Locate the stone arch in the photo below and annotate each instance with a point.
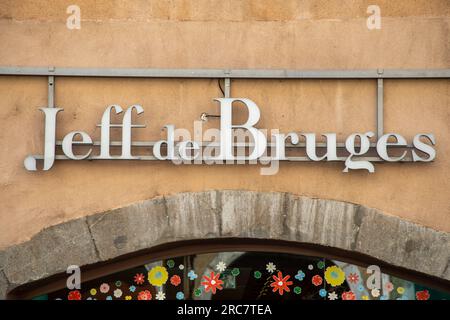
(226, 214)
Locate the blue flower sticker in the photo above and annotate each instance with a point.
(300, 275)
(360, 288)
(323, 293)
(180, 295)
(132, 288)
(192, 275)
(108, 298)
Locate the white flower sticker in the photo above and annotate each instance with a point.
(160, 296)
(271, 267)
(332, 296)
(375, 293)
(221, 266)
(117, 293)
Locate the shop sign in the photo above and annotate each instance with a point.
(359, 151)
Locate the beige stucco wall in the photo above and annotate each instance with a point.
(221, 34)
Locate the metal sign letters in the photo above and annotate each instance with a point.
(224, 149)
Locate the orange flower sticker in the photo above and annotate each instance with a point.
(281, 283)
(175, 280)
(212, 282)
(348, 295)
(422, 295)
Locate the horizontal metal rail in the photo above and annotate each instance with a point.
(299, 145)
(228, 73)
(261, 159)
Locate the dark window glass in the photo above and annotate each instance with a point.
(249, 275)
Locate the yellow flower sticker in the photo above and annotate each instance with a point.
(334, 276)
(93, 292)
(401, 290)
(158, 276)
(128, 298)
(365, 297)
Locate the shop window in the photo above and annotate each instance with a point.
(249, 275)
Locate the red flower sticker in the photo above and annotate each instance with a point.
(175, 280)
(212, 282)
(280, 283)
(317, 280)
(348, 295)
(74, 295)
(353, 278)
(422, 295)
(139, 278)
(145, 295)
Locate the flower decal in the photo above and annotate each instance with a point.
(348, 295)
(180, 295)
(353, 278)
(257, 274)
(192, 275)
(74, 295)
(175, 280)
(334, 276)
(317, 280)
(93, 292)
(221, 266)
(271, 267)
(297, 290)
(170, 263)
(323, 293)
(280, 283)
(144, 295)
(422, 295)
(160, 296)
(300, 275)
(401, 290)
(320, 264)
(117, 293)
(104, 288)
(389, 286)
(212, 282)
(132, 288)
(158, 276)
(332, 296)
(139, 278)
(198, 292)
(375, 293)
